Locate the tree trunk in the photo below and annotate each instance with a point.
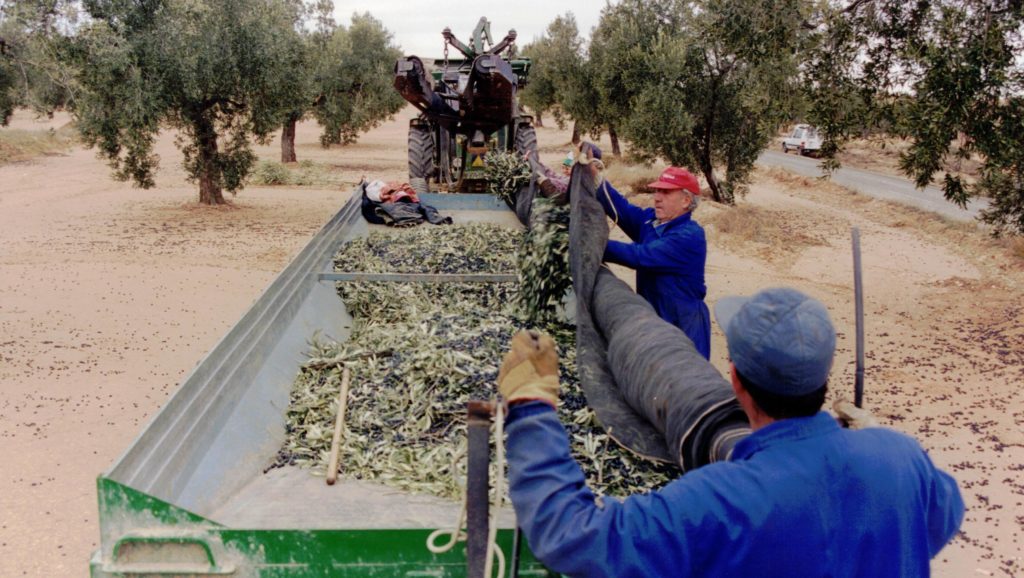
(707, 168)
(288, 139)
(575, 133)
(209, 171)
(538, 119)
(614, 136)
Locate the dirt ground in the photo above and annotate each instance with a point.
(109, 296)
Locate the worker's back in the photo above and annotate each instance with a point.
(800, 497)
(806, 498)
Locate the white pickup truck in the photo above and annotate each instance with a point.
(804, 139)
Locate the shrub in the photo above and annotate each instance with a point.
(271, 173)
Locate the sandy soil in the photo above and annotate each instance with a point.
(109, 296)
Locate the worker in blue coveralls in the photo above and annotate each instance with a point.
(668, 250)
(800, 496)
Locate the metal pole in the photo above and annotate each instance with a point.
(517, 547)
(858, 295)
(477, 487)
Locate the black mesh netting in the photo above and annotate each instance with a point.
(651, 389)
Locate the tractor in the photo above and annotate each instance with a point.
(469, 110)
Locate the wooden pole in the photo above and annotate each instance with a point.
(339, 423)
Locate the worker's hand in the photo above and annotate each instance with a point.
(852, 416)
(547, 188)
(530, 369)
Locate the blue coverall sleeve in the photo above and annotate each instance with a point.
(629, 218)
(668, 253)
(945, 509)
(565, 526)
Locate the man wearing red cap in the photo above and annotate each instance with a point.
(668, 251)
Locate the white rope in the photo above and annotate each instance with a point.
(456, 535)
(615, 212)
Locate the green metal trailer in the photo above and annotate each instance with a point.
(189, 497)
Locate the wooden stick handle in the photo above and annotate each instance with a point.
(339, 423)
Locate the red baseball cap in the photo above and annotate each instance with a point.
(674, 178)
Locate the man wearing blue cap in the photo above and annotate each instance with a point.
(668, 251)
(800, 496)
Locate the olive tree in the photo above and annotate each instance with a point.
(540, 94)
(215, 70)
(620, 65)
(8, 94)
(707, 87)
(342, 77)
(946, 74)
(355, 91)
(556, 60)
(33, 42)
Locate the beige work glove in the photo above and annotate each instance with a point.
(852, 416)
(530, 369)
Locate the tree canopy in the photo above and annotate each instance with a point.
(342, 77)
(354, 76)
(707, 83)
(938, 72)
(33, 73)
(224, 73)
(700, 84)
(214, 70)
(557, 62)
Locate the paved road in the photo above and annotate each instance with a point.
(878, 185)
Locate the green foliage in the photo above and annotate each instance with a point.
(352, 80)
(8, 96)
(620, 66)
(32, 44)
(557, 61)
(700, 84)
(271, 173)
(506, 173)
(543, 263)
(539, 94)
(306, 174)
(215, 70)
(940, 73)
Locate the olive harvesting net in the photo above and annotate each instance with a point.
(642, 375)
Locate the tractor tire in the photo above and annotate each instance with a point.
(421, 158)
(526, 139)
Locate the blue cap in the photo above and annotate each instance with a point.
(779, 339)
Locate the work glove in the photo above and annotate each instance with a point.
(530, 369)
(852, 416)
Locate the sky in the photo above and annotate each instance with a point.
(416, 25)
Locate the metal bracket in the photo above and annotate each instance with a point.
(421, 277)
(478, 485)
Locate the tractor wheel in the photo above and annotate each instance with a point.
(526, 139)
(421, 158)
